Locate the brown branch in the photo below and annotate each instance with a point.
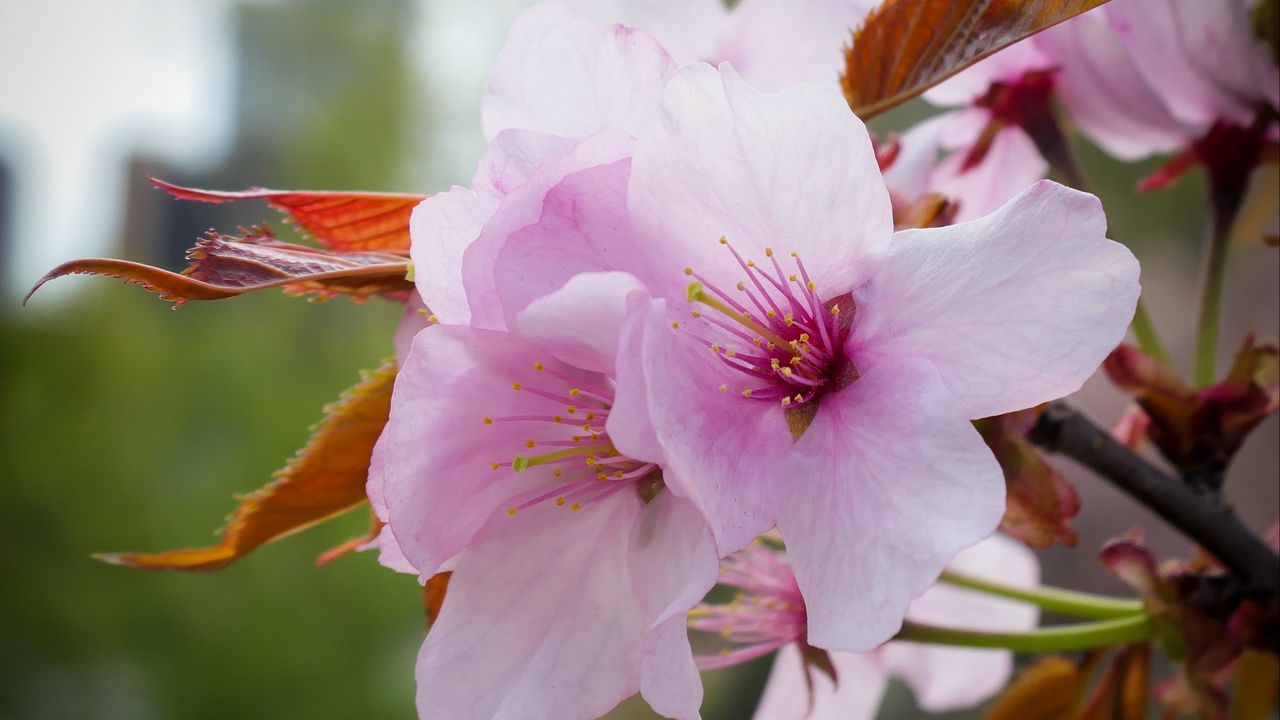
(1202, 516)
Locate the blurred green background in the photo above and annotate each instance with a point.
(129, 427)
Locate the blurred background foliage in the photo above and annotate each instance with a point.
(127, 426)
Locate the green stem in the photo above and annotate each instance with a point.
(1145, 332)
(1215, 263)
(1067, 602)
(1060, 638)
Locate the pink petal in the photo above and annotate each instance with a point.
(415, 319)
(717, 446)
(522, 208)
(564, 74)
(1005, 66)
(1014, 309)
(777, 43)
(444, 225)
(790, 696)
(948, 678)
(389, 553)
(439, 484)
(793, 170)
(1106, 93)
(886, 486)
(582, 225)
(1011, 165)
(579, 323)
(540, 621)
(670, 682)
(1201, 58)
(629, 424)
(688, 29)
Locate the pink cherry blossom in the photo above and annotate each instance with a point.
(936, 327)
(768, 613)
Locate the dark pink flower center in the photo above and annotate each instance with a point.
(785, 343)
(569, 458)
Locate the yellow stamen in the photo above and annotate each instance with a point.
(696, 293)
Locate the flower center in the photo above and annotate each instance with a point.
(766, 613)
(569, 456)
(785, 343)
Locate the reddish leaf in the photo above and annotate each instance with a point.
(342, 221)
(1048, 690)
(433, 596)
(904, 47)
(324, 479)
(224, 267)
(1199, 431)
(1039, 502)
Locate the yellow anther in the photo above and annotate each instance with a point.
(538, 366)
(796, 360)
(618, 474)
(688, 271)
(433, 319)
(773, 363)
(792, 277)
(835, 309)
(601, 477)
(741, 286)
(586, 427)
(571, 409)
(591, 460)
(804, 337)
(517, 386)
(758, 342)
(488, 421)
(771, 346)
(512, 511)
(768, 252)
(786, 402)
(557, 473)
(591, 416)
(793, 254)
(809, 285)
(786, 372)
(715, 347)
(560, 501)
(575, 507)
(494, 466)
(574, 392)
(724, 240)
(675, 325)
(577, 438)
(751, 263)
(771, 314)
(557, 418)
(696, 314)
(789, 319)
(730, 353)
(530, 443)
(746, 393)
(723, 388)
(422, 312)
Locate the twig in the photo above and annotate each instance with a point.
(1202, 516)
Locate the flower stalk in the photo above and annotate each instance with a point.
(1059, 600)
(1060, 638)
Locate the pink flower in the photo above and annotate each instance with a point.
(768, 613)
(888, 479)
(572, 566)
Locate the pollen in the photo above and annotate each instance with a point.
(512, 511)
(695, 314)
(600, 477)
(768, 252)
(688, 271)
(530, 443)
(488, 421)
(560, 501)
(538, 366)
(494, 466)
(574, 392)
(675, 324)
(571, 409)
(575, 507)
(516, 386)
(724, 240)
(557, 418)
(557, 473)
